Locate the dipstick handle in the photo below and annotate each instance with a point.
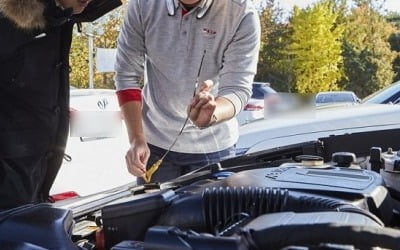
(151, 171)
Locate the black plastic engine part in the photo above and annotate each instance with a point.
(31, 222)
(363, 188)
(276, 231)
(128, 219)
(129, 244)
(173, 238)
(343, 159)
(280, 230)
(224, 207)
(390, 171)
(220, 211)
(11, 245)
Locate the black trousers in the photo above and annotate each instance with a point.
(176, 164)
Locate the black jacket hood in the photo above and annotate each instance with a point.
(26, 14)
(31, 14)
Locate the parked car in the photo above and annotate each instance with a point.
(309, 124)
(93, 99)
(95, 151)
(336, 192)
(255, 107)
(330, 97)
(387, 95)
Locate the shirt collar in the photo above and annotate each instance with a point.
(202, 3)
(203, 6)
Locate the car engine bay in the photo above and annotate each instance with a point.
(339, 192)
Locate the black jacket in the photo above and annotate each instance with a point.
(35, 40)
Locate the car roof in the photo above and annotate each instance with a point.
(93, 99)
(335, 96)
(85, 92)
(336, 92)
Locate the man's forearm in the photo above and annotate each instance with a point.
(133, 119)
(225, 110)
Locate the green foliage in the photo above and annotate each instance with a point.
(395, 44)
(272, 66)
(79, 69)
(315, 48)
(367, 51)
(394, 40)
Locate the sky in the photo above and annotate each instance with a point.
(287, 5)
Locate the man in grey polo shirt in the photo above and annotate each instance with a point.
(201, 58)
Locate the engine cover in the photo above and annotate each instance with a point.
(359, 187)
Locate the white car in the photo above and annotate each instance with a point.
(93, 99)
(331, 97)
(311, 124)
(95, 152)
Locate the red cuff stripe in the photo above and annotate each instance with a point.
(129, 95)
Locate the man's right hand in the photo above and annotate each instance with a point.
(137, 156)
(203, 105)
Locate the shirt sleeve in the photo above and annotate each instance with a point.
(130, 58)
(240, 62)
(129, 95)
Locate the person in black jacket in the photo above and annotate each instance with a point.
(35, 40)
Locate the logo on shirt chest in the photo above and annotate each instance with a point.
(209, 36)
(209, 32)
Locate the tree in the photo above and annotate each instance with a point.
(395, 44)
(394, 41)
(79, 61)
(272, 65)
(108, 39)
(367, 52)
(315, 48)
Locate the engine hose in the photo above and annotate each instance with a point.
(361, 237)
(312, 204)
(225, 206)
(221, 209)
(218, 209)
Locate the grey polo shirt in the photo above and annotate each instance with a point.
(172, 46)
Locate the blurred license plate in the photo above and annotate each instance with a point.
(95, 124)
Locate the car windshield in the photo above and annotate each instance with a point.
(334, 97)
(384, 95)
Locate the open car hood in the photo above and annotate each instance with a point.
(338, 192)
(311, 124)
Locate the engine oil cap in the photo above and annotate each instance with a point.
(343, 159)
(310, 160)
